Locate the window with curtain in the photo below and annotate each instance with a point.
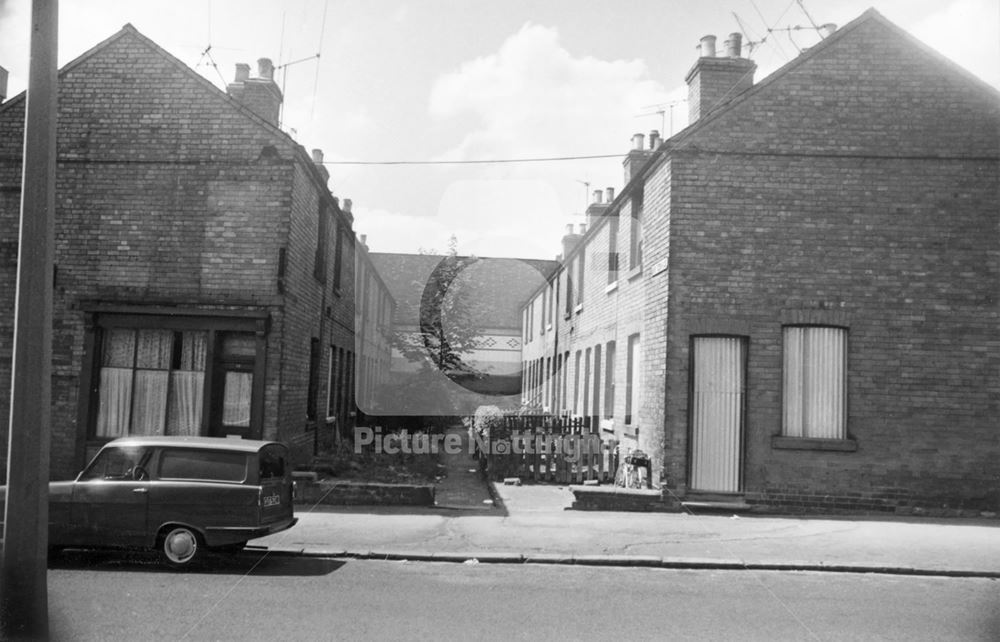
(151, 382)
(815, 382)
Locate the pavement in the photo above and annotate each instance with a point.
(476, 522)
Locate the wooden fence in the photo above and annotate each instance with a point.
(565, 450)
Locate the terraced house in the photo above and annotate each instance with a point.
(793, 302)
(207, 282)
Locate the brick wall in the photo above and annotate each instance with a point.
(169, 194)
(857, 189)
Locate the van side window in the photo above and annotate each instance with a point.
(203, 465)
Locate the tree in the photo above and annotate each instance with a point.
(447, 332)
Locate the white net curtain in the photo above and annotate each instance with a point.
(151, 382)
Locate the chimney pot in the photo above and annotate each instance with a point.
(569, 228)
(242, 72)
(637, 140)
(265, 68)
(583, 228)
(707, 45)
(348, 203)
(654, 139)
(317, 155)
(3, 84)
(598, 196)
(611, 194)
(364, 240)
(734, 45)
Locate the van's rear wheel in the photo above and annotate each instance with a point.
(180, 547)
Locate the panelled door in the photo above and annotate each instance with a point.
(717, 403)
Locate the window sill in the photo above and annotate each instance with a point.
(635, 272)
(611, 287)
(807, 443)
(578, 309)
(337, 293)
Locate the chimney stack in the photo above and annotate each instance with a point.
(317, 159)
(596, 209)
(714, 80)
(260, 95)
(265, 68)
(569, 240)
(636, 157)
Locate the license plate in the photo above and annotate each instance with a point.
(272, 500)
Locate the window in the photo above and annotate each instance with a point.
(151, 382)
(322, 218)
(541, 315)
(815, 382)
(569, 289)
(586, 383)
(118, 464)
(531, 321)
(313, 384)
(331, 383)
(338, 256)
(565, 381)
(609, 380)
(596, 411)
(581, 264)
(576, 383)
(552, 303)
(635, 234)
(272, 463)
(632, 379)
(206, 465)
(613, 248)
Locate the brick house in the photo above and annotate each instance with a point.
(793, 302)
(204, 273)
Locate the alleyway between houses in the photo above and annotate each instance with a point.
(463, 488)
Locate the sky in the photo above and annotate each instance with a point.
(383, 81)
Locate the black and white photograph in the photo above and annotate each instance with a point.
(499, 320)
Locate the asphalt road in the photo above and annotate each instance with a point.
(95, 596)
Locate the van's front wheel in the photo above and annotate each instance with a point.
(179, 547)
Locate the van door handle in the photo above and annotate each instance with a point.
(140, 490)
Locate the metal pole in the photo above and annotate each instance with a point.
(23, 587)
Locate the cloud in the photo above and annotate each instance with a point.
(395, 232)
(973, 43)
(533, 97)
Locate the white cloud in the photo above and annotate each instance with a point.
(973, 43)
(395, 232)
(533, 97)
